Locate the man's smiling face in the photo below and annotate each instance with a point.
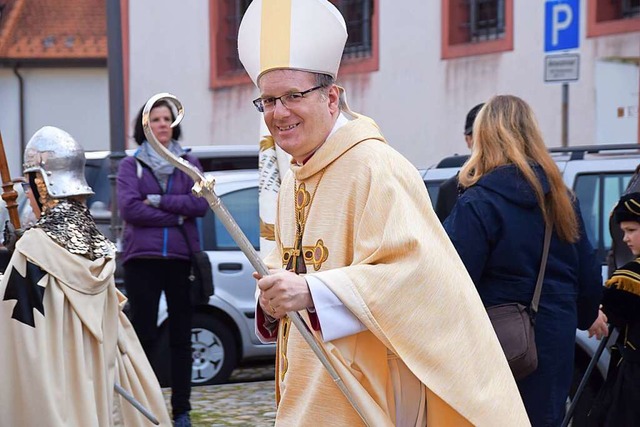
(301, 129)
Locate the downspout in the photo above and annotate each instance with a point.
(21, 105)
(116, 107)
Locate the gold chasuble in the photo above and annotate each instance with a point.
(358, 217)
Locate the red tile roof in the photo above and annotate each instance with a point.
(53, 29)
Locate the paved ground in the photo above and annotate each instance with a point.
(248, 400)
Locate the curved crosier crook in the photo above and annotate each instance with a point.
(203, 187)
(179, 162)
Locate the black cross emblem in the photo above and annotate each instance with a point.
(27, 292)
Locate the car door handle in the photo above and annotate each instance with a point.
(229, 266)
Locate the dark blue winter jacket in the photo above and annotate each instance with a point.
(498, 229)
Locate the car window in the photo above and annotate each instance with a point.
(243, 206)
(96, 172)
(211, 164)
(597, 194)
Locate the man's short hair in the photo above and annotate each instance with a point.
(324, 80)
(471, 116)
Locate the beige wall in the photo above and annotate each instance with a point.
(73, 99)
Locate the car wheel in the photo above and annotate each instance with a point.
(213, 347)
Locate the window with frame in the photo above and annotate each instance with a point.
(612, 17)
(243, 206)
(474, 27)
(357, 15)
(630, 8)
(486, 19)
(360, 53)
(225, 66)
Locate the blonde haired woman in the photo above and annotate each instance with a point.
(512, 188)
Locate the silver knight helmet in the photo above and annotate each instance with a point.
(60, 160)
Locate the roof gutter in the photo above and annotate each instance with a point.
(54, 62)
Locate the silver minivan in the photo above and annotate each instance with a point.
(222, 334)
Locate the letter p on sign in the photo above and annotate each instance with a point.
(562, 25)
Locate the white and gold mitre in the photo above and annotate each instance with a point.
(307, 35)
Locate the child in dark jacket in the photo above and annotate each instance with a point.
(617, 403)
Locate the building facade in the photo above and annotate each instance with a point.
(53, 71)
(416, 67)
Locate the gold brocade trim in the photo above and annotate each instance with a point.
(267, 142)
(267, 231)
(625, 281)
(315, 255)
(283, 340)
(628, 204)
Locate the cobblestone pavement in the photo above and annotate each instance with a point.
(248, 400)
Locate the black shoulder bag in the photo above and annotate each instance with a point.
(201, 277)
(514, 324)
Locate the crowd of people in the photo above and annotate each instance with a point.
(394, 297)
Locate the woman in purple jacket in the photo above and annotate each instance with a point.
(160, 234)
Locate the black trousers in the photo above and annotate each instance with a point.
(145, 279)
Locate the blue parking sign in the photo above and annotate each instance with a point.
(561, 25)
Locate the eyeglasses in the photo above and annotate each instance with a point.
(288, 100)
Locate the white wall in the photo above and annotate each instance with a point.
(169, 52)
(73, 99)
(9, 120)
(419, 100)
(616, 117)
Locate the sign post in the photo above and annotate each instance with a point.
(562, 33)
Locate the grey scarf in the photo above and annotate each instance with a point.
(161, 167)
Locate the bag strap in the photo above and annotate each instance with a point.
(184, 234)
(543, 267)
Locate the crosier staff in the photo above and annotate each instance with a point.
(9, 194)
(203, 187)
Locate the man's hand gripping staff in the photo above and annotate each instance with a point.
(203, 187)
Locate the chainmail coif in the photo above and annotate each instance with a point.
(70, 224)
